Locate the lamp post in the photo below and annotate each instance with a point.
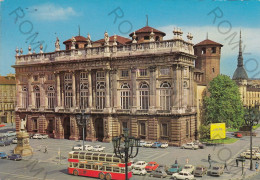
(252, 117)
(129, 144)
(82, 120)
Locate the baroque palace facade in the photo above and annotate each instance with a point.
(144, 83)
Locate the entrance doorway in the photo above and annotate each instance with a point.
(99, 128)
(66, 127)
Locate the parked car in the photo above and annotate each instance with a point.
(201, 145)
(217, 170)
(175, 168)
(142, 143)
(182, 175)
(164, 145)
(238, 134)
(256, 149)
(78, 147)
(37, 136)
(31, 135)
(151, 166)
(139, 171)
(148, 144)
(164, 167)
(255, 155)
(15, 157)
(3, 155)
(243, 154)
(200, 170)
(156, 144)
(14, 140)
(190, 146)
(140, 164)
(45, 136)
(4, 141)
(10, 133)
(158, 173)
(188, 168)
(98, 148)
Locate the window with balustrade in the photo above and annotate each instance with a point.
(68, 94)
(37, 97)
(25, 99)
(83, 90)
(143, 72)
(101, 95)
(165, 96)
(125, 96)
(51, 97)
(144, 96)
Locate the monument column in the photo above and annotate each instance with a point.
(89, 89)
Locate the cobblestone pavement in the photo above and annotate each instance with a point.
(219, 154)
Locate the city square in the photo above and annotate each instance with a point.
(146, 90)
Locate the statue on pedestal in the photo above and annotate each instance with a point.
(23, 125)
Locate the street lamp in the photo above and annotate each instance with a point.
(252, 117)
(82, 120)
(129, 144)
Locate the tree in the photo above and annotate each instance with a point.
(223, 105)
(204, 132)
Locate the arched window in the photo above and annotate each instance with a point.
(165, 96)
(51, 97)
(37, 96)
(83, 90)
(25, 100)
(68, 90)
(101, 95)
(125, 96)
(144, 96)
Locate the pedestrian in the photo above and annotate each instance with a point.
(256, 165)
(225, 166)
(209, 164)
(209, 157)
(237, 162)
(46, 150)
(176, 162)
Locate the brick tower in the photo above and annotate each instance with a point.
(208, 59)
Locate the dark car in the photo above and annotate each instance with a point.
(4, 141)
(15, 157)
(164, 167)
(3, 155)
(200, 170)
(158, 173)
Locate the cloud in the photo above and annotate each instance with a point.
(52, 12)
(229, 51)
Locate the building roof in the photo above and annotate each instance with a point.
(240, 73)
(208, 42)
(120, 39)
(7, 80)
(78, 38)
(147, 29)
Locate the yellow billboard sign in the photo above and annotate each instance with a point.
(218, 131)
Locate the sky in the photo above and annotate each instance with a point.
(25, 22)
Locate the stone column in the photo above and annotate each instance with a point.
(43, 95)
(107, 104)
(176, 88)
(133, 87)
(152, 88)
(58, 90)
(59, 131)
(114, 89)
(89, 89)
(31, 92)
(73, 89)
(74, 129)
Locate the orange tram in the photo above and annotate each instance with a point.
(98, 165)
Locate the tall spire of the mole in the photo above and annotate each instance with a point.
(240, 56)
(146, 20)
(79, 30)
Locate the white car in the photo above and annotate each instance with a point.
(148, 144)
(182, 175)
(164, 145)
(190, 146)
(142, 143)
(10, 133)
(188, 168)
(98, 148)
(139, 171)
(40, 136)
(88, 147)
(140, 164)
(78, 147)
